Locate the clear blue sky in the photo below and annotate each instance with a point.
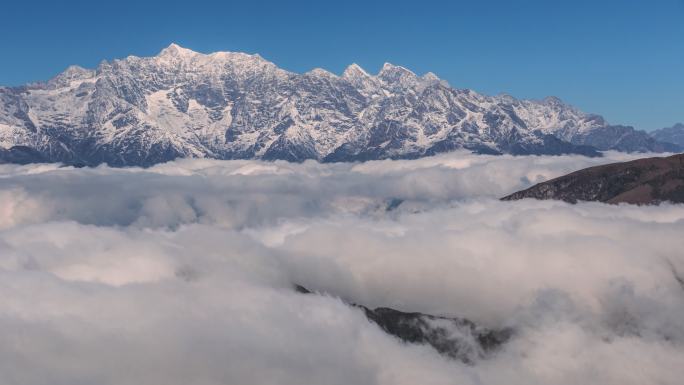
(622, 59)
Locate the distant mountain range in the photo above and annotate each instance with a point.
(642, 181)
(224, 105)
(674, 134)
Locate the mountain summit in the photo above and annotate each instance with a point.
(228, 105)
(674, 134)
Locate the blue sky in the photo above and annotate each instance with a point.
(622, 59)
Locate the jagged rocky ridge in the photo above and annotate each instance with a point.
(180, 103)
(456, 338)
(674, 134)
(642, 181)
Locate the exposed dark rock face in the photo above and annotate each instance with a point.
(21, 155)
(547, 145)
(643, 181)
(625, 139)
(457, 338)
(674, 134)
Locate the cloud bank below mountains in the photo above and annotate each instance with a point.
(183, 273)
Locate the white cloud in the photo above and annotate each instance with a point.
(182, 273)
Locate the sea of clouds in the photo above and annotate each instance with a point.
(182, 274)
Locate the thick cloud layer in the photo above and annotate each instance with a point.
(183, 273)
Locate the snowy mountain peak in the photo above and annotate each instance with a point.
(553, 101)
(431, 77)
(397, 77)
(74, 71)
(175, 50)
(506, 98)
(322, 73)
(391, 70)
(71, 74)
(354, 71)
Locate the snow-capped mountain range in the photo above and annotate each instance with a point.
(180, 103)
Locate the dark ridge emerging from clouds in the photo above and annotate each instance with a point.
(642, 181)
